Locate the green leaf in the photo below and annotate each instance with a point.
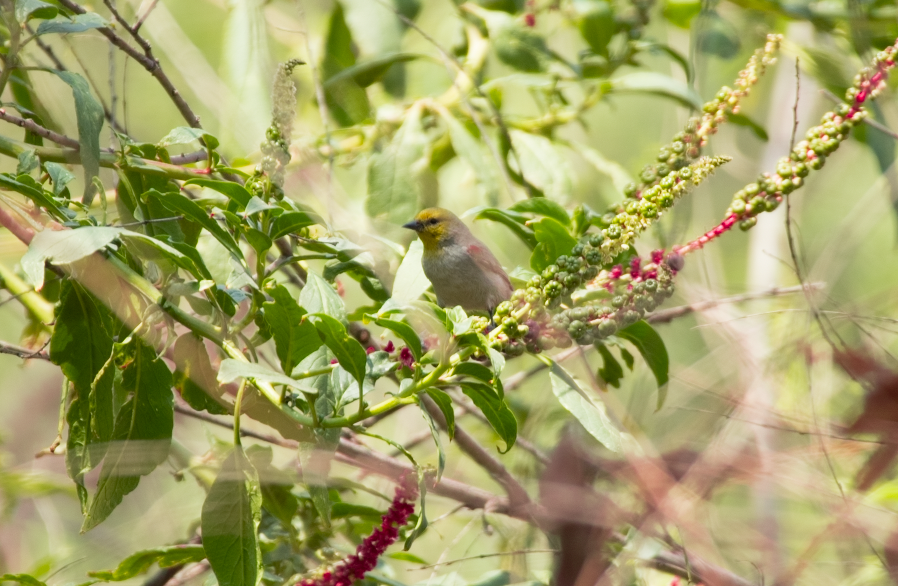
(717, 36)
(405, 332)
(476, 155)
(89, 115)
(195, 377)
(150, 248)
(596, 23)
(554, 241)
(543, 164)
(612, 371)
(63, 247)
(653, 351)
(82, 345)
(59, 175)
(347, 102)
(234, 191)
(474, 370)
(231, 369)
(28, 162)
(28, 9)
(681, 12)
(318, 296)
(142, 436)
(230, 521)
(290, 222)
(23, 579)
(369, 71)
(649, 82)
(185, 206)
(38, 196)
(542, 207)
(76, 24)
(294, 338)
(406, 557)
(591, 415)
(410, 282)
(444, 402)
(743, 120)
(513, 221)
(138, 563)
(348, 351)
(495, 410)
(393, 174)
(187, 135)
(520, 47)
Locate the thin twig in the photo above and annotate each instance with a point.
(668, 315)
(39, 130)
(148, 61)
(22, 352)
(484, 555)
(143, 18)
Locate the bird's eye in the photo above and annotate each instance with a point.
(432, 221)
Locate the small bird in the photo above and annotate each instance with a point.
(461, 268)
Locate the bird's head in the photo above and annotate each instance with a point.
(435, 226)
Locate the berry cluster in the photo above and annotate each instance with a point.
(365, 558)
(810, 154)
(686, 145)
(526, 322)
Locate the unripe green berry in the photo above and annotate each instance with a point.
(595, 240)
(618, 301)
(613, 232)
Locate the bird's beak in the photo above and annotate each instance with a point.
(413, 225)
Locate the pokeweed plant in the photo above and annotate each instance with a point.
(210, 279)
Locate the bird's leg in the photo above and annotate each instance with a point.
(492, 325)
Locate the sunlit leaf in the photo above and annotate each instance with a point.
(652, 349)
(590, 414)
(165, 557)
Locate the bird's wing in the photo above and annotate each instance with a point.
(487, 262)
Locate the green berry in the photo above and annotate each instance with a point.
(607, 327)
(618, 301)
(576, 329)
(613, 232)
(549, 272)
(595, 240)
(651, 285)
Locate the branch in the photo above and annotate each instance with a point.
(39, 130)
(668, 315)
(147, 60)
(22, 352)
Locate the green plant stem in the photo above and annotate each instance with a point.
(33, 301)
(13, 148)
(238, 402)
(12, 54)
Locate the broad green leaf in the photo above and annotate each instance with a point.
(28, 9)
(410, 282)
(542, 206)
(406, 557)
(231, 369)
(542, 164)
(393, 174)
(554, 241)
(28, 162)
(476, 155)
(277, 485)
(474, 370)
(444, 402)
(405, 332)
(318, 296)
(138, 563)
(234, 191)
(495, 410)
(142, 436)
(716, 35)
(76, 24)
(150, 248)
(185, 206)
(294, 338)
(611, 371)
(195, 377)
(187, 135)
(650, 82)
(595, 19)
(512, 220)
(59, 175)
(590, 414)
(519, 46)
(652, 348)
(681, 12)
(63, 247)
(89, 115)
(290, 222)
(346, 100)
(38, 196)
(348, 351)
(81, 346)
(230, 521)
(23, 579)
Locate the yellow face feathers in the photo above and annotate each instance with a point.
(432, 225)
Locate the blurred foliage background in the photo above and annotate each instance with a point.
(752, 382)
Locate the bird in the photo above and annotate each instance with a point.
(460, 267)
